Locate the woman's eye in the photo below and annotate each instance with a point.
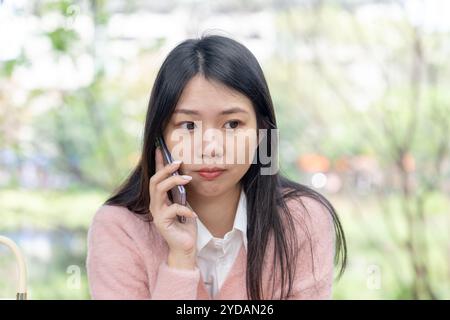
(189, 125)
(233, 124)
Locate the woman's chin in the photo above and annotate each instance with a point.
(209, 188)
(206, 188)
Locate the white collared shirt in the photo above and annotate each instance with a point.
(215, 256)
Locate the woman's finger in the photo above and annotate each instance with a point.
(172, 181)
(163, 174)
(175, 210)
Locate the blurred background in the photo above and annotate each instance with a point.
(361, 94)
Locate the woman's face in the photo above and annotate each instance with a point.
(212, 126)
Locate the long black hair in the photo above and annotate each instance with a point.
(225, 60)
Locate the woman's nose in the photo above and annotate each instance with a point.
(212, 146)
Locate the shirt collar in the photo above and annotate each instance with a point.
(240, 223)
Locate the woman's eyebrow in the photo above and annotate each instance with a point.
(195, 112)
(234, 110)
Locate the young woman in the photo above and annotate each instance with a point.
(247, 235)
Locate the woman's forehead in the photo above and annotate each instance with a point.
(205, 96)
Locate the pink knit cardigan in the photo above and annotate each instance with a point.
(127, 259)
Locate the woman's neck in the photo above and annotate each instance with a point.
(216, 213)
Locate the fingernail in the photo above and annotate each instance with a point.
(186, 177)
(176, 162)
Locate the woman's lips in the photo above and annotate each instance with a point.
(210, 175)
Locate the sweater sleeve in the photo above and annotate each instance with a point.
(315, 271)
(176, 284)
(116, 269)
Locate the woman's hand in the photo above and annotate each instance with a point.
(180, 237)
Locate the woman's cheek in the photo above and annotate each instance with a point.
(238, 171)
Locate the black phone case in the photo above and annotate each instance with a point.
(178, 193)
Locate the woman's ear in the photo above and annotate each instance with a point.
(260, 137)
(266, 125)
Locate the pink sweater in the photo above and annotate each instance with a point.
(127, 259)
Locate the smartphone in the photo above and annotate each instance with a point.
(178, 193)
